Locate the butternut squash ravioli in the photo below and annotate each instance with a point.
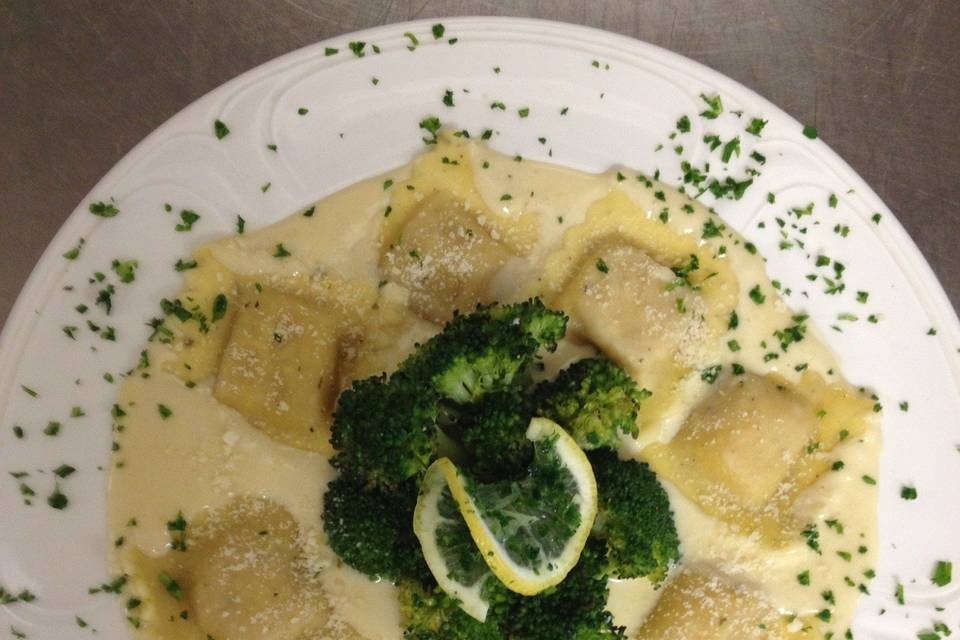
(223, 433)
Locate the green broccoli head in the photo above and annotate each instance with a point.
(385, 430)
(593, 399)
(494, 434)
(634, 519)
(575, 608)
(534, 319)
(430, 614)
(370, 529)
(485, 351)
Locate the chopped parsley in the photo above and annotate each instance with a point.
(810, 131)
(281, 251)
(125, 270)
(730, 149)
(437, 30)
(804, 578)
(430, 124)
(942, 573)
(602, 266)
(448, 98)
(185, 265)
(357, 47)
(756, 295)
(219, 307)
(302, 111)
(241, 224)
(187, 220)
(714, 106)
(171, 586)
(104, 209)
(74, 253)
(164, 411)
(220, 129)
(64, 471)
(523, 112)
(756, 126)
(57, 500)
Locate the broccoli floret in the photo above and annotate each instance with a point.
(385, 431)
(575, 608)
(634, 519)
(546, 326)
(371, 531)
(494, 434)
(430, 614)
(485, 351)
(593, 399)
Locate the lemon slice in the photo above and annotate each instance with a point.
(529, 532)
(448, 548)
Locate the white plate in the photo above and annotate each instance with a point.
(624, 98)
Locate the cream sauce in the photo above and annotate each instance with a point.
(204, 454)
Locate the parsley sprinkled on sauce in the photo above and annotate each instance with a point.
(804, 578)
(448, 98)
(734, 321)
(876, 218)
(506, 197)
(52, 429)
(437, 30)
(357, 47)
(683, 124)
(430, 124)
(164, 411)
(187, 220)
(711, 229)
(812, 537)
(868, 479)
(330, 51)
(810, 131)
(219, 307)
(272, 147)
(104, 209)
(70, 331)
(898, 593)
(602, 266)
(241, 224)
(832, 202)
(942, 573)
(171, 586)
(714, 106)
(710, 374)
(414, 43)
(281, 251)
(756, 295)
(177, 528)
(302, 111)
(309, 211)
(220, 129)
(908, 493)
(265, 187)
(523, 112)
(756, 126)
